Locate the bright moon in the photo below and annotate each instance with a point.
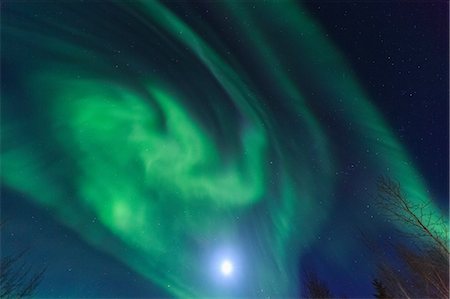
(226, 268)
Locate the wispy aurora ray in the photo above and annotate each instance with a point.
(177, 142)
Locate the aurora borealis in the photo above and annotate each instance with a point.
(176, 137)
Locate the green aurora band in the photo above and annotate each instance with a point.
(162, 145)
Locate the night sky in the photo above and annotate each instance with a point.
(215, 149)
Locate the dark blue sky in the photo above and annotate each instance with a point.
(400, 52)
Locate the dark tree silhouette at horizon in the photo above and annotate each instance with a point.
(421, 266)
(17, 278)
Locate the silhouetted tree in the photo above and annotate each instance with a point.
(414, 266)
(380, 290)
(421, 222)
(17, 280)
(422, 268)
(314, 287)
